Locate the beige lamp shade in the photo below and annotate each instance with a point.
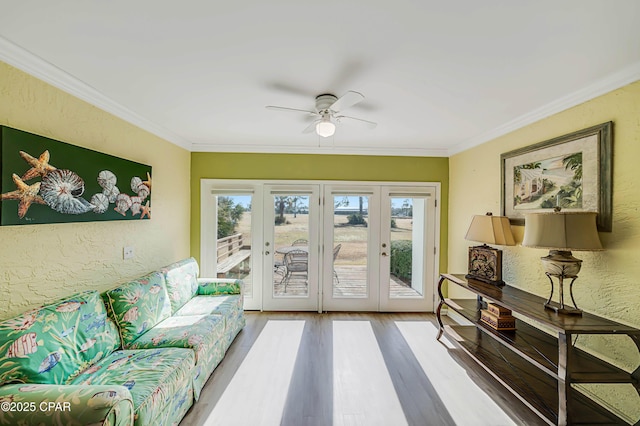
(564, 231)
(490, 229)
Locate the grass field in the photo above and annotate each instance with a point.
(353, 238)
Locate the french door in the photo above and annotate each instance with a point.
(290, 248)
(377, 245)
(323, 246)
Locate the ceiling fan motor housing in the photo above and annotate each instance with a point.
(324, 101)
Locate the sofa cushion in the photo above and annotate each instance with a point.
(205, 305)
(219, 286)
(197, 332)
(154, 378)
(138, 305)
(53, 343)
(182, 281)
(205, 334)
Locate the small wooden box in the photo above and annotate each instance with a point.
(498, 310)
(498, 323)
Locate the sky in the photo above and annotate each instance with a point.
(245, 200)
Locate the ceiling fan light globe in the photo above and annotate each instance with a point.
(325, 129)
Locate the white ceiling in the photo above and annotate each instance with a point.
(438, 76)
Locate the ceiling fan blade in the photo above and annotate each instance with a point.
(311, 127)
(369, 124)
(279, 108)
(290, 88)
(347, 100)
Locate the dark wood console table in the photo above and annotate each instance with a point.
(537, 367)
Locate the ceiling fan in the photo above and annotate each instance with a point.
(328, 112)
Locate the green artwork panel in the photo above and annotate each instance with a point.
(47, 181)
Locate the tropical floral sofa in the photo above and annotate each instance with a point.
(138, 354)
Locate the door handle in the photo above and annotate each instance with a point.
(266, 252)
(384, 253)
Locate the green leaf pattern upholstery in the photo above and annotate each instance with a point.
(121, 358)
(54, 343)
(154, 378)
(139, 305)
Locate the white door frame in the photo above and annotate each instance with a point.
(426, 234)
(208, 230)
(348, 303)
(308, 302)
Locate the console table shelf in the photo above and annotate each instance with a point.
(517, 358)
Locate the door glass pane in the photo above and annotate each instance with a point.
(407, 247)
(291, 245)
(234, 239)
(350, 245)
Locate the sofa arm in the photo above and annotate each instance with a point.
(219, 286)
(34, 404)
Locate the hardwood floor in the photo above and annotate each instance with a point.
(350, 369)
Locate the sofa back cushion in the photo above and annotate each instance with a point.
(138, 305)
(54, 343)
(182, 282)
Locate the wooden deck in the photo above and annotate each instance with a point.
(352, 284)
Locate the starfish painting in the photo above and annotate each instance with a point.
(27, 194)
(39, 166)
(145, 211)
(148, 181)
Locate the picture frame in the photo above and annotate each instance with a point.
(44, 181)
(573, 172)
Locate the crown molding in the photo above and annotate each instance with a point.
(33, 65)
(612, 82)
(332, 150)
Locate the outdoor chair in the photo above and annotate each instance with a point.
(336, 250)
(295, 262)
(278, 266)
(300, 242)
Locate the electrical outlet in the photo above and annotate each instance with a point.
(127, 252)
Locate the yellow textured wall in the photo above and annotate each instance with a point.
(207, 165)
(608, 284)
(39, 263)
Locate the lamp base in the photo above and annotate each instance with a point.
(566, 310)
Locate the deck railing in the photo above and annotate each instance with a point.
(232, 255)
(227, 246)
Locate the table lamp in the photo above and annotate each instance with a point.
(485, 262)
(561, 232)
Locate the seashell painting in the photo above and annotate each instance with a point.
(136, 204)
(101, 203)
(106, 179)
(112, 193)
(123, 203)
(61, 190)
(143, 191)
(135, 183)
(56, 182)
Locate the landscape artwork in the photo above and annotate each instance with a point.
(549, 183)
(47, 181)
(572, 172)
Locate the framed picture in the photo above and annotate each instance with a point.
(43, 180)
(572, 172)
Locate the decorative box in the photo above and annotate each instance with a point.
(502, 323)
(485, 264)
(498, 310)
